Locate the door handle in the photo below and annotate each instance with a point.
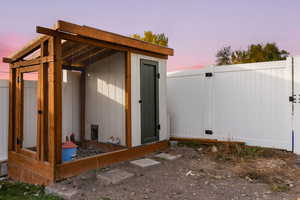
(140, 101)
(40, 112)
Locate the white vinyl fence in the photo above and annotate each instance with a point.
(3, 119)
(244, 102)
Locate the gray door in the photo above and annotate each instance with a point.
(149, 101)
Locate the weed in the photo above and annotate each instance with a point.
(280, 188)
(22, 191)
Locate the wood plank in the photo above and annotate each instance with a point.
(128, 99)
(12, 111)
(35, 61)
(55, 102)
(19, 105)
(205, 141)
(77, 167)
(29, 48)
(112, 38)
(73, 68)
(82, 93)
(71, 52)
(7, 60)
(44, 103)
(90, 55)
(94, 42)
(36, 167)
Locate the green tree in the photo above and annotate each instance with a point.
(254, 53)
(158, 39)
(224, 56)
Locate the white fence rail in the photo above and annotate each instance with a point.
(245, 102)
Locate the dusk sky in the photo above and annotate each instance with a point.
(196, 28)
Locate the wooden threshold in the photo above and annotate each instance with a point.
(77, 167)
(205, 141)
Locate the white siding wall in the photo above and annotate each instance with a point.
(105, 98)
(71, 105)
(135, 97)
(247, 102)
(3, 119)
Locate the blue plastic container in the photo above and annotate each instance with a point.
(68, 151)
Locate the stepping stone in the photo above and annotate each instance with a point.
(114, 176)
(167, 156)
(146, 162)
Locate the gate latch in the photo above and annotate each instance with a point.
(292, 98)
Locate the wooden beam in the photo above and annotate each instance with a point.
(73, 68)
(71, 52)
(12, 111)
(98, 57)
(77, 167)
(29, 48)
(7, 60)
(90, 55)
(55, 103)
(112, 38)
(25, 169)
(205, 141)
(94, 42)
(44, 149)
(35, 61)
(128, 99)
(82, 105)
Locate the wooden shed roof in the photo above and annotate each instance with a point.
(73, 32)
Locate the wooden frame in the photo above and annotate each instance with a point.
(45, 166)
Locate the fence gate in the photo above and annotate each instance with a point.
(296, 104)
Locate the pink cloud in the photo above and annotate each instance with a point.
(9, 43)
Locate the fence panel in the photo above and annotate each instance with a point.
(247, 102)
(3, 119)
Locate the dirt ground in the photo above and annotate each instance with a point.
(203, 172)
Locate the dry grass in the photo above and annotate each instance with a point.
(255, 164)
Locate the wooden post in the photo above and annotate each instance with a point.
(55, 103)
(12, 111)
(128, 98)
(44, 138)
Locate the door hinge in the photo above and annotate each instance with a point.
(292, 98)
(158, 75)
(208, 132)
(208, 74)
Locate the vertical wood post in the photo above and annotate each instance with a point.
(12, 111)
(44, 137)
(128, 98)
(55, 103)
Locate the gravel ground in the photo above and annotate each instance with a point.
(194, 176)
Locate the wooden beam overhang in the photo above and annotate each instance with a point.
(35, 61)
(112, 38)
(94, 42)
(28, 49)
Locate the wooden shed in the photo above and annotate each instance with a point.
(105, 91)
